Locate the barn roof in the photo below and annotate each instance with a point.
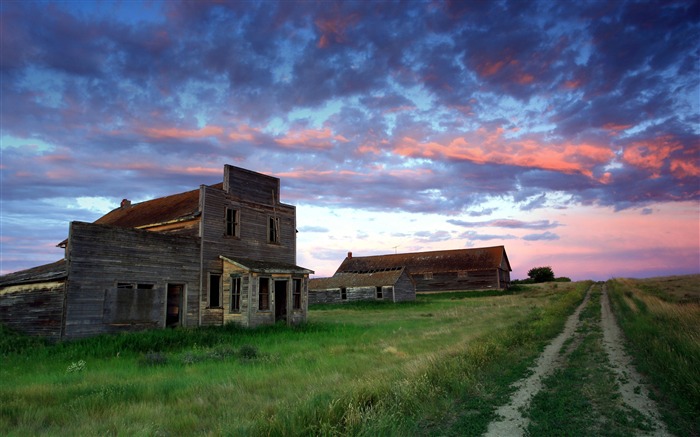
(47, 272)
(435, 261)
(266, 266)
(181, 206)
(374, 279)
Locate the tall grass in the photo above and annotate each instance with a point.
(373, 369)
(664, 333)
(455, 393)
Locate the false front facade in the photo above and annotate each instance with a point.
(220, 253)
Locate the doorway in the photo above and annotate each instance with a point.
(280, 300)
(174, 302)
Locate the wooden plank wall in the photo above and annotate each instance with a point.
(451, 281)
(101, 256)
(34, 309)
(404, 289)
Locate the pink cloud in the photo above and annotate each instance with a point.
(651, 155)
(310, 138)
(244, 133)
(171, 132)
(490, 147)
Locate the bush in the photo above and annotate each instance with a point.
(541, 274)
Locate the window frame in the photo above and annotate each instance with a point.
(232, 222)
(379, 292)
(343, 293)
(267, 305)
(236, 288)
(273, 229)
(296, 293)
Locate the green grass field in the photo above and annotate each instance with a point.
(440, 365)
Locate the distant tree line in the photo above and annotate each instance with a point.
(541, 274)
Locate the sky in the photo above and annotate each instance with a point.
(569, 132)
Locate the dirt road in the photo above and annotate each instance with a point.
(513, 416)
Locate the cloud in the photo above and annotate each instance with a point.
(507, 223)
(545, 236)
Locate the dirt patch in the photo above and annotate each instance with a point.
(512, 422)
(634, 392)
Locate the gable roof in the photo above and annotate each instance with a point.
(435, 261)
(47, 272)
(176, 207)
(374, 279)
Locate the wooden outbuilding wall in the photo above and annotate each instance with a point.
(102, 260)
(34, 308)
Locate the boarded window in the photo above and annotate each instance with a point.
(428, 275)
(380, 295)
(273, 230)
(133, 302)
(232, 222)
(343, 293)
(214, 291)
(296, 294)
(236, 295)
(264, 294)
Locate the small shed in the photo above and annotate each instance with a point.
(393, 285)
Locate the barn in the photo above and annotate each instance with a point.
(393, 285)
(437, 271)
(220, 253)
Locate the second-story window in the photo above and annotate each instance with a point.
(232, 222)
(273, 230)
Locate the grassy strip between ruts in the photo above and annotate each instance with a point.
(581, 398)
(456, 395)
(661, 320)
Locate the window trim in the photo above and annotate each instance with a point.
(379, 292)
(296, 293)
(268, 307)
(343, 293)
(232, 222)
(273, 229)
(236, 291)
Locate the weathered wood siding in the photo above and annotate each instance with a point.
(100, 257)
(456, 281)
(34, 309)
(404, 289)
(252, 241)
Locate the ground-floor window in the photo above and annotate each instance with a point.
(380, 295)
(236, 294)
(296, 294)
(264, 294)
(343, 293)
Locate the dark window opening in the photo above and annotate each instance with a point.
(297, 294)
(343, 293)
(236, 295)
(264, 294)
(273, 230)
(379, 293)
(232, 222)
(214, 291)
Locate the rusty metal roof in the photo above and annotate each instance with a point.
(47, 272)
(182, 206)
(434, 261)
(374, 279)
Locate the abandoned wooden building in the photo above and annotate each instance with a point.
(388, 285)
(436, 271)
(216, 254)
